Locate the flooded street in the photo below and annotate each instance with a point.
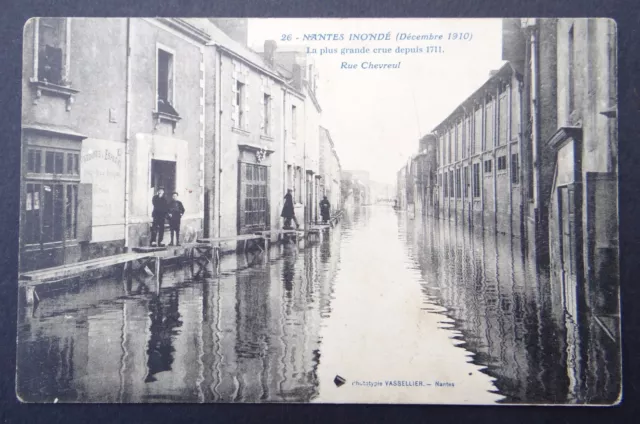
(404, 310)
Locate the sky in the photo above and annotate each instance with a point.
(377, 116)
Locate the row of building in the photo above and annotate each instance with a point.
(115, 108)
(533, 153)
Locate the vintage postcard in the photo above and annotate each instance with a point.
(397, 211)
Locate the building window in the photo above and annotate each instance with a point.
(165, 83)
(503, 113)
(445, 186)
(239, 103)
(458, 184)
(52, 46)
(515, 169)
(294, 122)
(290, 182)
(51, 195)
(256, 205)
(452, 192)
(266, 124)
(489, 125)
(298, 187)
(466, 181)
(477, 131)
(502, 163)
(571, 56)
(465, 123)
(487, 166)
(476, 180)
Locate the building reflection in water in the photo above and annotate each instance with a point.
(511, 318)
(242, 336)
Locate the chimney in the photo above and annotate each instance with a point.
(297, 76)
(270, 47)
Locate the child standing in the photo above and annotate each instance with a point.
(175, 212)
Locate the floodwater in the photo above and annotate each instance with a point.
(402, 310)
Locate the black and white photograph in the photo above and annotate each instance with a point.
(319, 210)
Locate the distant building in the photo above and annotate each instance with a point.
(330, 170)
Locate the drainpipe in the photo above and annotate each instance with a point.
(304, 167)
(127, 124)
(285, 142)
(218, 164)
(535, 133)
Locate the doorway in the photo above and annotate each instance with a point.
(163, 174)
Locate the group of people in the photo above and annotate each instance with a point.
(289, 214)
(172, 210)
(163, 210)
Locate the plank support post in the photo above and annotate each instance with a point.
(31, 295)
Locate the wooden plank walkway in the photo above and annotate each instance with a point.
(202, 248)
(60, 272)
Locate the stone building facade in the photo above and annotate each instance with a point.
(103, 129)
(173, 103)
(479, 151)
(330, 170)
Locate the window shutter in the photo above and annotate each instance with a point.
(245, 72)
(262, 94)
(170, 98)
(271, 110)
(234, 96)
(84, 214)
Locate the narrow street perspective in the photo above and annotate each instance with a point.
(221, 210)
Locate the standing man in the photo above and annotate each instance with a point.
(159, 214)
(325, 210)
(288, 213)
(175, 212)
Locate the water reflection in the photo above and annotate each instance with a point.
(510, 316)
(239, 336)
(379, 297)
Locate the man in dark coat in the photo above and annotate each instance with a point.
(325, 210)
(159, 214)
(288, 213)
(175, 212)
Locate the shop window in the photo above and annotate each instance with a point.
(51, 196)
(254, 201)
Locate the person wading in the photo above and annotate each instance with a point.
(325, 210)
(175, 212)
(159, 214)
(288, 213)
